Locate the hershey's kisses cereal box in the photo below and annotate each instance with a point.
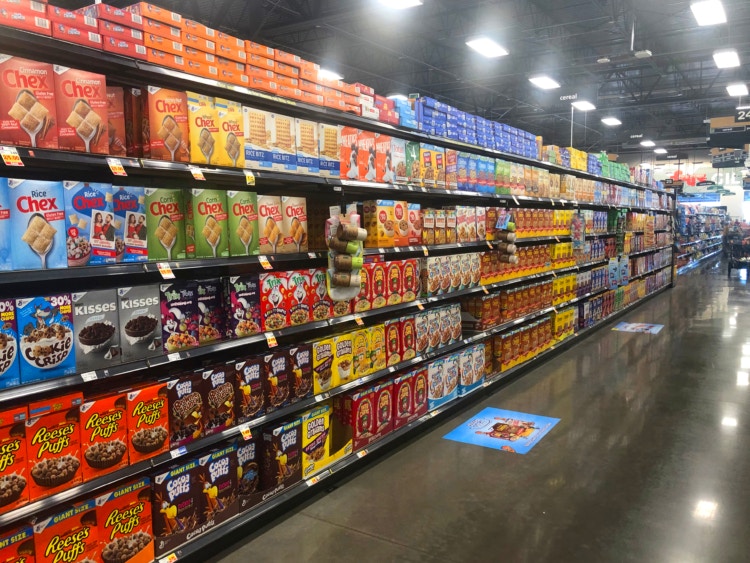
(139, 316)
(131, 231)
(97, 333)
(90, 224)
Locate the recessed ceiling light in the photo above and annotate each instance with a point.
(648, 144)
(727, 58)
(729, 421)
(611, 121)
(400, 4)
(487, 47)
(583, 105)
(705, 510)
(737, 90)
(661, 151)
(743, 379)
(709, 12)
(398, 97)
(329, 75)
(544, 82)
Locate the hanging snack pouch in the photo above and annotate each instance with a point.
(203, 128)
(10, 375)
(124, 522)
(242, 303)
(165, 222)
(230, 146)
(166, 113)
(270, 219)
(131, 234)
(104, 435)
(243, 223)
(180, 316)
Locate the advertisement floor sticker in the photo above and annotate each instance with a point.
(638, 327)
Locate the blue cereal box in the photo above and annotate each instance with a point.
(5, 256)
(90, 224)
(37, 224)
(45, 334)
(129, 206)
(9, 373)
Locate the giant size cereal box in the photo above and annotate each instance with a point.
(167, 117)
(203, 127)
(131, 235)
(17, 545)
(104, 435)
(281, 465)
(90, 224)
(230, 147)
(82, 106)
(177, 506)
(217, 482)
(14, 473)
(249, 454)
(70, 536)
(124, 522)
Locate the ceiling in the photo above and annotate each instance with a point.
(422, 50)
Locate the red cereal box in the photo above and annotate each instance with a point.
(362, 301)
(403, 400)
(148, 422)
(14, 475)
(321, 304)
(409, 280)
(378, 286)
(384, 171)
(81, 105)
(394, 282)
(408, 337)
(166, 113)
(71, 536)
(355, 411)
(419, 394)
(383, 408)
(298, 303)
(124, 523)
(104, 435)
(414, 217)
(392, 342)
(273, 300)
(116, 121)
(17, 545)
(366, 156)
(348, 153)
(53, 445)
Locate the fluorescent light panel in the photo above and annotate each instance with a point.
(583, 105)
(329, 74)
(397, 97)
(611, 121)
(743, 379)
(648, 144)
(729, 421)
(738, 89)
(705, 509)
(709, 12)
(400, 4)
(544, 82)
(661, 151)
(727, 58)
(487, 47)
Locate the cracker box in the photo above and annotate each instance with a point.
(249, 457)
(104, 435)
(14, 471)
(97, 334)
(348, 154)
(329, 141)
(27, 104)
(281, 466)
(249, 389)
(116, 121)
(398, 161)
(316, 436)
(219, 397)
(125, 523)
(81, 106)
(243, 233)
(392, 342)
(203, 127)
(270, 224)
(211, 310)
(283, 143)
(383, 403)
(230, 147)
(71, 535)
(413, 163)
(321, 304)
(277, 380)
(342, 358)
(17, 545)
(403, 401)
(209, 219)
(308, 157)
(258, 126)
(293, 224)
(165, 223)
(166, 112)
(217, 481)
(37, 224)
(366, 156)
(91, 225)
(274, 288)
(45, 333)
(139, 318)
(394, 282)
(9, 349)
(378, 348)
(324, 376)
(186, 408)
(180, 315)
(177, 507)
(242, 304)
(298, 297)
(361, 364)
(148, 421)
(420, 393)
(53, 445)
(131, 236)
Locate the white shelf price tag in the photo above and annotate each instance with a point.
(115, 165)
(174, 357)
(322, 397)
(361, 454)
(249, 177)
(182, 450)
(165, 270)
(10, 156)
(89, 376)
(318, 478)
(197, 173)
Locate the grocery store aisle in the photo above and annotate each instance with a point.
(650, 462)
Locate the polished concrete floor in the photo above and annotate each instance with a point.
(650, 462)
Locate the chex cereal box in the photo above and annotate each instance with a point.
(140, 322)
(211, 310)
(230, 149)
(203, 127)
(281, 465)
(293, 224)
(316, 438)
(104, 435)
(131, 234)
(148, 421)
(6, 261)
(81, 106)
(116, 121)
(165, 223)
(45, 337)
(27, 104)
(270, 226)
(300, 366)
(218, 397)
(177, 506)
(14, 472)
(249, 396)
(283, 143)
(37, 223)
(308, 157)
(166, 113)
(90, 224)
(17, 545)
(249, 455)
(217, 482)
(242, 306)
(70, 535)
(258, 129)
(180, 315)
(329, 140)
(186, 407)
(10, 375)
(276, 380)
(124, 521)
(349, 153)
(243, 234)
(208, 215)
(97, 329)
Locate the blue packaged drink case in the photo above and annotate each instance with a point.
(90, 224)
(129, 205)
(9, 373)
(5, 257)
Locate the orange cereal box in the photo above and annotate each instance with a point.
(148, 421)
(82, 110)
(124, 523)
(104, 435)
(366, 156)
(17, 545)
(270, 218)
(14, 475)
(167, 118)
(116, 121)
(203, 128)
(384, 171)
(349, 153)
(71, 536)
(401, 223)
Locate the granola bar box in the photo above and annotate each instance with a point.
(176, 507)
(217, 482)
(139, 317)
(104, 435)
(249, 396)
(180, 315)
(9, 370)
(14, 473)
(148, 421)
(242, 306)
(281, 465)
(17, 545)
(186, 407)
(90, 224)
(97, 334)
(124, 523)
(242, 208)
(249, 455)
(131, 232)
(71, 535)
(218, 398)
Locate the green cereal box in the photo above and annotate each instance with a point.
(413, 163)
(165, 222)
(242, 209)
(208, 222)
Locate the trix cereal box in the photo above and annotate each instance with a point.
(90, 224)
(242, 302)
(129, 206)
(104, 435)
(281, 465)
(17, 545)
(147, 414)
(45, 326)
(116, 121)
(218, 398)
(53, 445)
(208, 222)
(203, 127)
(211, 310)
(249, 395)
(186, 409)
(166, 113)
(230, 148)
(217, 482)
(165, 223)
(316, 429)
(139, 316)
(243, 223)
(9, 370)
(97, 329)
(177, 507)
(180, 315)
(27, 105)
(14, 473)
(71, 535)
(298, 297)
(81, 106)
(37, 223)
(273, 299)
(248, 470)
(124, 522)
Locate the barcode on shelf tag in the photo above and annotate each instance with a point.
(196, 172)
(361, 454)
(271, 340)
(165, 270)
(10, 156)
(171, 558)
(115, 165)
(420, 306)
(265, 262)
(174, 356)
(426, 251)
(88, 376)
(182, 450)
(246, 432)
(249, 177)
(358, 320)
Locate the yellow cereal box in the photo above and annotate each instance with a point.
(380, 222)
(361, 365)
(377, 348)
(204, 128)
(316, 440)
(324, 376)
(342, 357)
(230, 150)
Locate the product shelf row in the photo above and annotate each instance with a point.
(693, 265)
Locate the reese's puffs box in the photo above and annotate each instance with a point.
(71, 536)
(104, 435)
(124, 523)
(17, 545)
(14, 474)
(148, 421)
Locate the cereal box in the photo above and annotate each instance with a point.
(356, 412)
(283, 143)
(148, 420)
(451, 169)
(433, 328)
(466, 371)
(249, 455)
(274, 288)
(258, 130)
(82, 110)
(349, 153)
(342, 358)
(401, 223)
(249, 396)
(361, 364)
(180, 315)
(166, 112)
(409, 280)
(293, 224)
(129, 207)
(53, 445)
(139, 318)
(217, 481)
(116, 121)
(243, 223)
(379, 220)
(209, 212)
(136, 144)
(408, 337)
(186, 408)
(9, 349)
(440, 224)
(383, 402)
(230, 147)
(90, 224)
(321, 304)
(203, 128)
(325, 377)
(177, 507)
(45, 332)
(414, 219)
(403, 401)
(384, 171)
(27, 104)
(421, 331)
(413, 163)
(378, 353)
(211, 311)
(104, 435)
(71, 535)
(124, 522)
(436, 383)
(300, 364)
(270, 224)
(165, 223)
(277, 380)
(14, 473)
(378, 285)
(97, 335)
(6, 262)
(428, 226)
(394, 282)
(420, 393)
(428, 165)
(362, 301)
(398, 161)
(281, 465)
(451, 223)
(17, 545)
(242, 303)
(329, 140)
(392, 342)
(315, 427)
(308, 159)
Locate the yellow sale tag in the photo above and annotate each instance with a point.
(246, 432)
(197, 173)
(171, 558)
(115, 165)
(264, 262)
(420, 306)
(165, 270)
(271, 340)
(358, 320)
(10, 156)
(426, 252)
(249, 177)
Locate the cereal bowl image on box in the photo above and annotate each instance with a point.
(96, 329)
